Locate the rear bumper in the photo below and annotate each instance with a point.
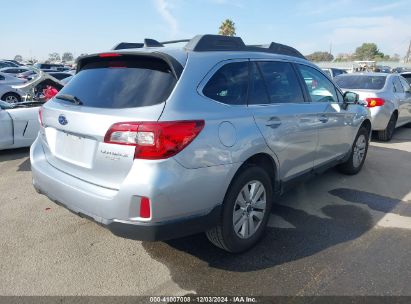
(156, 231)
(380, 117)
(183, 201)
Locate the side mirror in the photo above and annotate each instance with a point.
(351, 97)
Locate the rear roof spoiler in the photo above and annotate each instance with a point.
(209, 43)
(175, 67)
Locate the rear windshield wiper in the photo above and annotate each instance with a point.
(70, 98)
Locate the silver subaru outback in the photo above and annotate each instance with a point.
(157, 142)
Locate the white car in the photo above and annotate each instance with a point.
(8, 92)
(13, 71)
(19, 124)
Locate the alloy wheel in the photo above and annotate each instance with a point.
(249, 209)
(359, 150)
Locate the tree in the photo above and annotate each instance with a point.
(54, 57)
(67, 57)
(368, 51)
(227, 28)
(320, 56)
(18, 58)
(396, 57)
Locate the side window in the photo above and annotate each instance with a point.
(2, 77)
(229, 84)
(405, 85)
(319, 87)
(258, 90)
(281, 82)
(397, 85)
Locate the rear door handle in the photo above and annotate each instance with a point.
(323, 118)
(273, 122)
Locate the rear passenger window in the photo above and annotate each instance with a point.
(258, 90)
(320, 88)
(281, 81)
(397, 85)
(405, 85)
(229, 84)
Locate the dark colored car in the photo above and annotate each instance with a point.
(50, 66)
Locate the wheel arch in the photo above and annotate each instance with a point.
(367, 124)
(264, 161)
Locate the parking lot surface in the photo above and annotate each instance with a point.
(332, 235)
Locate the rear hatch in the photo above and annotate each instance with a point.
(108, 88)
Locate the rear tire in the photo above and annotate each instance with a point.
(244, 218)
(358, 153)
(11, 98)
(387, 134)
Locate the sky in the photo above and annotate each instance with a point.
(35, 28)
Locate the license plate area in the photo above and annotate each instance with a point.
(75, 149)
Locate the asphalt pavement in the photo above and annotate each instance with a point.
(332, 235)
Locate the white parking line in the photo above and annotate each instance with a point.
(391, 220)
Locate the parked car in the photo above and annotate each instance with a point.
(14, 70)
(7, 64)
(388, 97)
(8, 92)
(19, 124)
(400, 70)
(28, 75)
(34, 90)
(407, 76)
(60, 75)
(51, 66)
(18, 90)
(332, 72)
(13, 61)
(157, 143)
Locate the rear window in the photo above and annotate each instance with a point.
(120, 83)
(229, 84)
(361, 82)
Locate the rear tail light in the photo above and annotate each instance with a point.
(374, 102)
(155, 140)
(41, 116)
(108, 55)
(145, 210)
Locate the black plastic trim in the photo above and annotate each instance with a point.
(175, 66)
(167, 230)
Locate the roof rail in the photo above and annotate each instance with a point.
(152, 43)
(278, 48)
(175, 41)
(128, 45)
(148, 42)
(207, 43)
(204, 43)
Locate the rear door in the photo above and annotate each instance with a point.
(401, 98)
(288, 123)
(407, 90)
(108, 90)
(335, 131)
